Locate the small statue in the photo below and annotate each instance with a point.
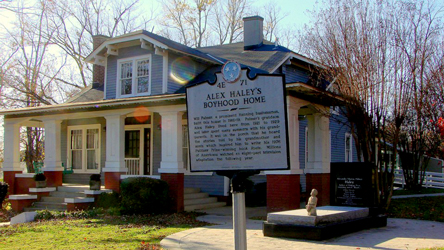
(311, 205)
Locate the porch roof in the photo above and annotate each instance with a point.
(108, 104)
(300, 90)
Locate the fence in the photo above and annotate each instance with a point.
(431, 179)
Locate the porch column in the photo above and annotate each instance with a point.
(172, 167)
(318, 163)
(53, 158)
(11, 143)
(283, 187)
(115, 151)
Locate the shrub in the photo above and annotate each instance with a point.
(95, 177)
(144, 196)
(39, 177)
(3, 191)
(109, 200)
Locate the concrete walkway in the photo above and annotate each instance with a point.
(399, 234)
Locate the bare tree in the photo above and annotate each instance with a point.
(355, 40)
(228, 22)
(189, 19)
(273, 15)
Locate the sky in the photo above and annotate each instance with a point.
(296, 10)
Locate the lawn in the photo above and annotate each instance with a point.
(422, 191)
(102, 232)
(424, 208)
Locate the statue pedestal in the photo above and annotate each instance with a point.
(330, 222)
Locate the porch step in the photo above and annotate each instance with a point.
(56, 199)
(189, 190)
(204, 206)
(79, 179)
(200, 201)
(194, 199)
(195, 196)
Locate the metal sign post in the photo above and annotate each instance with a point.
(237, 126)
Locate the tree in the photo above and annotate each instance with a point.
(189, 19)
(228, 22)
(365, 56)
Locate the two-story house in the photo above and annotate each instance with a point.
(132, 120)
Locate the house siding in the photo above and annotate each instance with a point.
(293, 74)
(213, 185)
(338, 128)
(182, 69)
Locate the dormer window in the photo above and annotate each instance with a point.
(134, 76)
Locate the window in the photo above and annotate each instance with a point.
(134, 76)
(348, 148)
(84, 148)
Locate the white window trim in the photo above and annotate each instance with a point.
(84, 155)
(133, 60)
(350, 153)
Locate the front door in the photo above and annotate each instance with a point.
(132, 151)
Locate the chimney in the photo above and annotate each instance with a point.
(253, 32)
(98, 78)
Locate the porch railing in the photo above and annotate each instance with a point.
(132, 166)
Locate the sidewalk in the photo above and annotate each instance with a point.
(399, 234)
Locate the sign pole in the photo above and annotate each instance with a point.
(239, 221)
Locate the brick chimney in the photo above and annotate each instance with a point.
(253, 32)
(98, 78)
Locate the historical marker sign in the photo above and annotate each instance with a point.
(238, 123)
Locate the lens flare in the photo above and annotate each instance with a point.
(183, 69)
(141, 114)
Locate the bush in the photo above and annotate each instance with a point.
(3, 191)
(109, 200)
(144, 196)
(39, 177)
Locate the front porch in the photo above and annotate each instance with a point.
(149, 138)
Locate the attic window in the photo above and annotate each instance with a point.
(134, 76)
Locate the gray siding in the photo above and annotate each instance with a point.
(211, 184)
(338, 128)
(293, 74)
(181, 70)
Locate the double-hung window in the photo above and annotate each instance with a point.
(134, 76)
(84, 148)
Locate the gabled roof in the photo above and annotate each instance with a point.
(156, 40)
(90, 93)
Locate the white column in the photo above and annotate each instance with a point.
(11, 146)
(115, 144)
(172, 161)
(318, 144)
(53, 156)
(293, 106)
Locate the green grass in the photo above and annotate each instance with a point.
(424, 208)
(422, 191)
(105, 232)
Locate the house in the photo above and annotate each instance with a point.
(132, 120)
